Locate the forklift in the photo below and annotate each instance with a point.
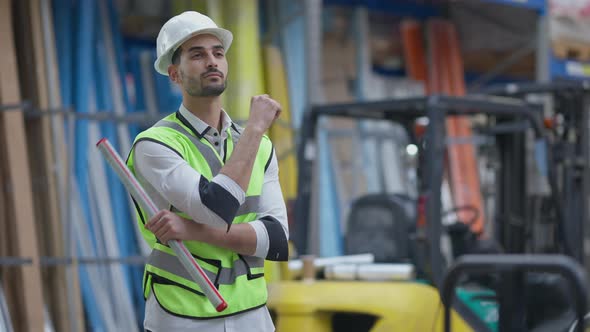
(440, 295)
(568, 130)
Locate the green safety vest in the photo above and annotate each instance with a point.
(239, 278)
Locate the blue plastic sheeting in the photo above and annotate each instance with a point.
(123, 213)
(403, 8)
(134, 69)
(63, 17)
(292, 42)
(63, 42)
(293, 46)
(361, 28)
(80, 56)
(539, 5)
(424, 9)
(85, 85)
(330, 233)
(118, 196)
(169, 95)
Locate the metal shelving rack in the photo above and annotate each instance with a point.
(548, 66)
(552, 68)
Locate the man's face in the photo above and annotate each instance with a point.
(202, 69)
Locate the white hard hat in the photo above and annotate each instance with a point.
(181, 28)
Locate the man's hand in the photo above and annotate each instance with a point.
(263, 112)
(168, 226)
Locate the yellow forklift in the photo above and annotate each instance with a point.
(478, 302)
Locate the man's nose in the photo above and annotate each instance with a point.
(211, 62)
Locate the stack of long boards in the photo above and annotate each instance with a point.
(58, 198)
(18, 231)
(31, 225)
(442, 71)
(35, 50)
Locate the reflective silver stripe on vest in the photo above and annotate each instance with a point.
(170, 263)
(205, 150)
(227, 276)
(251, 205)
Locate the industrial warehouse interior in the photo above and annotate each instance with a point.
(294, 165)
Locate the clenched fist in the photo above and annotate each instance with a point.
(263, 112)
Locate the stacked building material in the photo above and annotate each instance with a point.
(18, 231)
(45, 146)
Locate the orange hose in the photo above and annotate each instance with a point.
(447, 77)
(414, 53)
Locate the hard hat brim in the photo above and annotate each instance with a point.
(164, 60)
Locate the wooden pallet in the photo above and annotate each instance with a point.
(571, 49)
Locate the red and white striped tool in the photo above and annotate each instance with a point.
(141, 197)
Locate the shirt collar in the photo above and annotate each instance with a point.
(200, 126)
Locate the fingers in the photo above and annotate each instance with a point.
(263, 112)
(266, 98)
(165, 234)
(158, 221)
(166, 226)
(161, 228)
(274, 105)
(279, 109)
(156, 218)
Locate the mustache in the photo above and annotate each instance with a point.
(210, 71)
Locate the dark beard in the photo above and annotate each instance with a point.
(211, 90)
(191, 87)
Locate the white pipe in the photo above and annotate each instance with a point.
(145, 202)
(296, 265)
(370, 272)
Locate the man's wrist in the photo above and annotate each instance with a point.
(196, 230)
(255, 129)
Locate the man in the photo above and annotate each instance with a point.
(216, 185)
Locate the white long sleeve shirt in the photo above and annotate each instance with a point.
(169, 179)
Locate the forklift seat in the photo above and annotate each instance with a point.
(381, 224)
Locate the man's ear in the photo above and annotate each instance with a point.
(173, 73)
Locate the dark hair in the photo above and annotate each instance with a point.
(176, 56)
